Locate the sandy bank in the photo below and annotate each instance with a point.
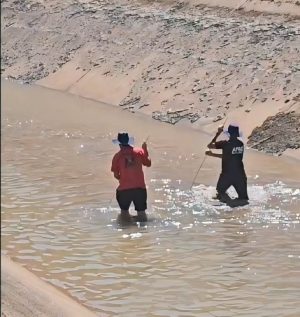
(25, 295)
(179, 63)
(272, 6)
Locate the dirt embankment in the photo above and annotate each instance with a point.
(25, 295)
(178, 62)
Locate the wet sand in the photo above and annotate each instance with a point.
(25, 295)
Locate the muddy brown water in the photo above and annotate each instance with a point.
(193, 259)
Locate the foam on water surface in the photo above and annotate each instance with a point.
(179, 209)
(271, 202)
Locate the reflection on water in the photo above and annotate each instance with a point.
(194, 258)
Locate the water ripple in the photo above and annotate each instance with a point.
(194, 258)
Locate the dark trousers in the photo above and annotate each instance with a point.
(137, 196)
(239, 182)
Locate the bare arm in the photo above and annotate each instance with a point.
(210, 153)
(115, 168)
(146, 157)
(147, 161)
(212, 145)
(117, 175)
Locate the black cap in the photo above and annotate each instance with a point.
(123, 138)
(233, 131)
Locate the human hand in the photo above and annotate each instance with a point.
(220, 129)
(144, 147)
(208, 152)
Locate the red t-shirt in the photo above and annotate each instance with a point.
(128, 163)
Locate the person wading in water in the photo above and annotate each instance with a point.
(127, 167)
(233, 172)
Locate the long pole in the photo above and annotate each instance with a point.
(198, 171)
(203, 162)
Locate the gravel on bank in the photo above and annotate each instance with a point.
(277, 134)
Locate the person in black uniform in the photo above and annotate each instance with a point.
(233, 172)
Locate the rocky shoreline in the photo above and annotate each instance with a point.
(277, 134)
(174, 62)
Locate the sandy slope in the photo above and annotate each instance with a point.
(25, 295)
(160, 58)
(275, 6)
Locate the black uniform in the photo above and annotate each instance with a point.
(233, 172)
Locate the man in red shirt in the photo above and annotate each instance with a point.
(127, 167)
